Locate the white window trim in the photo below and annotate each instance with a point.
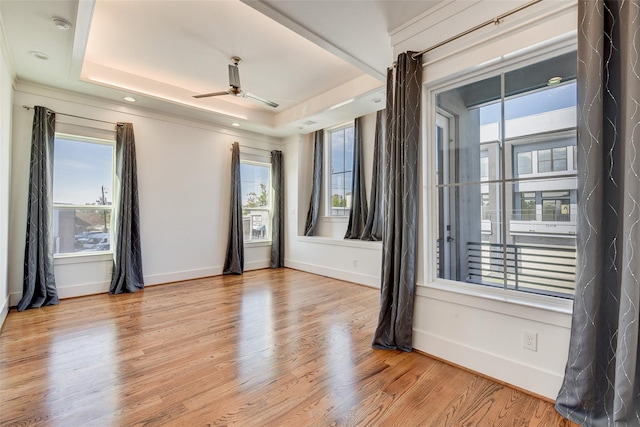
(264, 162)
(429, 193)
(326, 174)
(90, 256)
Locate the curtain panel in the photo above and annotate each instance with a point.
(277, 222)
(234, 258)
(39, 284)
(401, 182)
(359, 211)
(373, 226)
(602, 381)
(316, 190)
(127, 267)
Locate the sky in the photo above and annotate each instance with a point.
(341, 161)
(80, 170)
(251, 176)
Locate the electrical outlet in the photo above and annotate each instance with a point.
(355, 263)
(530, 341)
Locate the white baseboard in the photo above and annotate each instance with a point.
(349, 276)
(149, 280)
(531, 378)
(4, 311)
(69, 291)
(178, 276)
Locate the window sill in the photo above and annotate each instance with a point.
(257, 244)
(335, 218)
(323, 240)
(82, 257)
(508, 302)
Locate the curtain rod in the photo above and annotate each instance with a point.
(252, 148)
(497, 20)
(26, 107)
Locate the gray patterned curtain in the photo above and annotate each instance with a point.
(373, 227)
(39, 284)
(401, 181)
(602, 378)
(127, 267)
(277, 222)
(316, 189)
(234, 259)
(358, 212)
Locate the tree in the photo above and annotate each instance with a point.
(337, 201)
(256, 201)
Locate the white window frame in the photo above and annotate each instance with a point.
(108, 208)
(430, 193)
(327, 173)
(263, 162)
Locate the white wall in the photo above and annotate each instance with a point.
(6, 94)
(326, 253)
(184, 179)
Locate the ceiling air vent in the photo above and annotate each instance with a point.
(309, 123)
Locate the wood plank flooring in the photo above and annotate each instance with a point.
(269, 348)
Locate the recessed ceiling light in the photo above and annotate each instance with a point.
(376, 100)
(235, 124)
(554, 81)
(129, 99)
(61, 23)
(39, 55)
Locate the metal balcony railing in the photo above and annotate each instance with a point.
(548, 270)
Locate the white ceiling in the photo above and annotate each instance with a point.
(308, 56)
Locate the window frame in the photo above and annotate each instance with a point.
(108, 208)
(327, 173)
(431, 89)
(263, 162)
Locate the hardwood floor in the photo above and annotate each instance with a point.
(270, 348)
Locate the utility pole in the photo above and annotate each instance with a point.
(104, 212)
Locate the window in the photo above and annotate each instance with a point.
(556, 206)
(255, 186)
(82, 194)
(484, 167)
(524, 163)
(486, 213)
(340, 167)
(526, 125)
(552, 160)
(527, 207)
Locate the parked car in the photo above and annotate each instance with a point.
(97, 242)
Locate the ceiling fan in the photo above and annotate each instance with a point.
(234, 86)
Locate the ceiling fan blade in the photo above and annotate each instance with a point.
(234, 76)
(206, 95)
(257, 98)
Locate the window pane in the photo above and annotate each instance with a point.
(484, 167)
(81, 230)
(337, 152)
(524, 163)
(82, 177)
(477, 113)
(559, 159)
(516, 233)
(342, 147)
(527, 209)
(82, 172)
(256, 205)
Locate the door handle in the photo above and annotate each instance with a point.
(449, 239)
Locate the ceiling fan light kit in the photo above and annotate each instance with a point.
(234, 86)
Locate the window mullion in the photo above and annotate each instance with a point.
(503, 207)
